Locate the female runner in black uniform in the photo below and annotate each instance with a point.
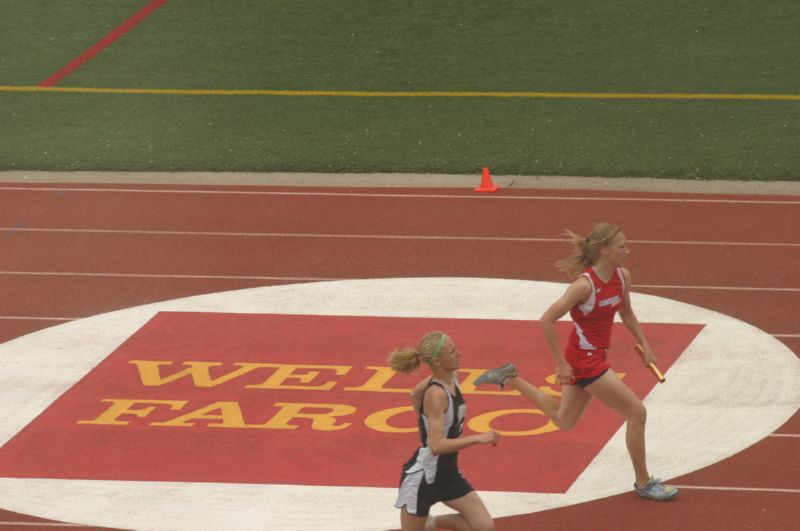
(432, 475)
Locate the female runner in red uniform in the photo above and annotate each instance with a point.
(600, 288)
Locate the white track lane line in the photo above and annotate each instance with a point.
(400, 195)
(158, 275)
(28, 318)
(39, 524)
(320, 279)
(737, 489)
(719, 288)
(10, 231)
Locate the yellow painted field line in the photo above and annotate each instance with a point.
(411, 94)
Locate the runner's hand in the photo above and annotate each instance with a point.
(564, 372)
(648, 357)
(489, 437)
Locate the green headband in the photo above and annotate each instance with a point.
(438, 348)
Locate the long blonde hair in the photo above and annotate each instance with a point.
(408, 359)
(586, 251)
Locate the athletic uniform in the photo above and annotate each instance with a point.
(428, 478)
(591, 338)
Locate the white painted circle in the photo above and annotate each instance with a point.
(732, 374)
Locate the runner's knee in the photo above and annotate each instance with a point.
(568, 418)
(638, 414)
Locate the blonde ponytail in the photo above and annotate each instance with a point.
(408, 359)
(586, 251)
(405, 359)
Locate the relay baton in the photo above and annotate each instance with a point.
(652, 365)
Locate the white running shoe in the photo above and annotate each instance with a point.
(497, 376)
(656, 490)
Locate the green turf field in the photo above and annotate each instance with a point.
(450, 66)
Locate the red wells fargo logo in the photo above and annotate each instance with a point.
(309, 400)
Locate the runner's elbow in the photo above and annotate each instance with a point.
(439, 448)
(547, 321)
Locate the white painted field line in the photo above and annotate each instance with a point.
(738, 489)
(401, 195)
(10, 231)
(789, 435)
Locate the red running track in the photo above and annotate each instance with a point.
(72, 251)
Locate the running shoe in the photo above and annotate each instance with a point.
(497, 376)
(656, 490)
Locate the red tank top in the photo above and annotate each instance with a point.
(594, 317)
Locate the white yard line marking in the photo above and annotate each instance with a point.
(789, 435)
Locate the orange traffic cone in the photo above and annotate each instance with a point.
(486, 182)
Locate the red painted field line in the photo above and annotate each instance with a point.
(103, 43)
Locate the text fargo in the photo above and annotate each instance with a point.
(291, 416)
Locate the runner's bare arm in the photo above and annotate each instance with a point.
(435, 408)
(631, 322)
(574, 294)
